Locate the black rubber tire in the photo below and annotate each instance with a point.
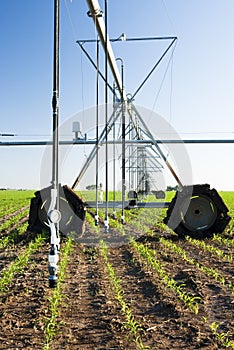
(71, 207)
(197, 211)
(160, 194)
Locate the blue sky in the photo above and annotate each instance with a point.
(196, 97)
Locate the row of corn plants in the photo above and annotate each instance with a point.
(191, 301)
(12, 200)
(210, 248)
(6, 225)
(51, 322)
(229, 242)
(19, 263)
(9, 208)
(5, 215)
(13, 236)
(222, 338)
(211, 272)
(132, 325)
(150, 255)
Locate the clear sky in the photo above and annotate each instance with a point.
(197, 83)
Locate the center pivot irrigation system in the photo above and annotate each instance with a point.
(195, 210)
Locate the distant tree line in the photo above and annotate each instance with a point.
(171, 188)
(91, 187)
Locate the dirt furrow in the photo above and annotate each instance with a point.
(89, 317)
(217, 302)
(12, 251)
(207, 259)
(24, 307)
(167, 325)
(11, 215)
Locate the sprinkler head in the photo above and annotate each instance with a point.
(106, 226)
(96, 220)
(52, 281)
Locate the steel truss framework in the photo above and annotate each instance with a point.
(195, 210)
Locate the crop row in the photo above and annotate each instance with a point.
(229, 242)
(55, 301)
(13, 200)
(19, 263)
(133, 326)
(210, 271)
(210, 248)
(14, 236)
(13, 220)
(150, 257)
(154, 227)
(189, 300)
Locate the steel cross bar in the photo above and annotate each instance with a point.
(82, 41)
(93, 142)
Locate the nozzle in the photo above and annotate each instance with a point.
(52, 281)
(53, 266)
(96, 218)
(106, 226)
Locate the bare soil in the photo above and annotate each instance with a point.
(90, 317)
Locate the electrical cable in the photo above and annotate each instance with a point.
(81, 63)
(168, 16)
(162, 82)
(171, 86)
(70, 20)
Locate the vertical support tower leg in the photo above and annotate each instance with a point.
(54, 215)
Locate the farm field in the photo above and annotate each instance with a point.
(115, 292)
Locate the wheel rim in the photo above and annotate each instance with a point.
(42, 213)
(64, 207)
(200, 215)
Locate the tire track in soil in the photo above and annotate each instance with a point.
(166, 324)
(24, 306)
(89, 315)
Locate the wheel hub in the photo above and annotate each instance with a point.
(201, 213)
